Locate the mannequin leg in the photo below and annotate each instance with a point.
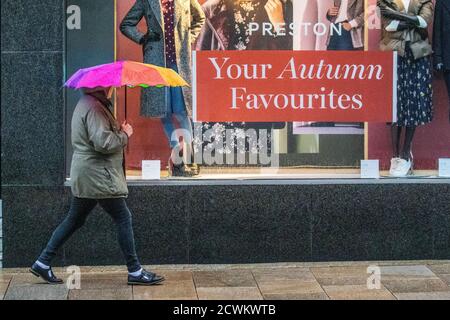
(409, 135)
(185, 123)
(396, 133)
(186, 131)
(169, 129)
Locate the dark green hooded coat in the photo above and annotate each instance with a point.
(97, 170)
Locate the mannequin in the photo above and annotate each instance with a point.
(172, 27)
(441, 40)
(404, 29)
(350, 14)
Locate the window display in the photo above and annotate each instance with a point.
(165, 45)
(340, 32)
(328, 19)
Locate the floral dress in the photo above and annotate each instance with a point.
(244, 14)
(414, 91)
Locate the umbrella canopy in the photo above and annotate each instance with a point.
(125, 73)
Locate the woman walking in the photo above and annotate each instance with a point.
(97, 177)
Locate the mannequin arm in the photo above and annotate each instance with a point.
(402, 25)
(129, 24)
(412, 21)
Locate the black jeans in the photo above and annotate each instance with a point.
(79, 210)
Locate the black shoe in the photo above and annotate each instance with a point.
(46, 274)
(145, 279)
(179, 170)
(182, 170)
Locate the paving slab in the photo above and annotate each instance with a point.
(5, 277)
(103, 282)
(36, 292)
(4, 284)
(445, 295)
(229, 293)
(343, 280)
(171, 275)
(25, 286)
(235, 278)
(405, 285)
(273, 274)
(357, 292)
(416, 272)
(168, 290)
(445, 278)
(296, 296)
(289, 287)
(342, 271)
(335, 276)
(440, 268)
(102, 294)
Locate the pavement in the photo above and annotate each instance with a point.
(388, 280)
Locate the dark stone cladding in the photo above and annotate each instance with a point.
(250, 222)
(32, 122)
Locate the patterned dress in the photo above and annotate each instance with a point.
(168, 8)
(414, 90)
(174, 95)
(244, 14)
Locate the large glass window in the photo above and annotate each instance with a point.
(304, 148)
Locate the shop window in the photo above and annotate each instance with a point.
(303, 148)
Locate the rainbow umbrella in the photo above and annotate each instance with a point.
(125, 73)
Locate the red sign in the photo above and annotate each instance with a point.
(276, 86)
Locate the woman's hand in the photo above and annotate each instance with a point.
(127, 128)
(333, 11)
(274, 9)
(347, 26)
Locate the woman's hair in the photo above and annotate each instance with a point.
(228, 6)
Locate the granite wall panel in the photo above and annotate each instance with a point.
(252, 223)
(32, 112)
(32, 25)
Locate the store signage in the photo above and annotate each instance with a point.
(370, 169)
(268, 86)
(151, 169)
(444, 168)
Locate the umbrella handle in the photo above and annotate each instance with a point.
(126, 99)
(126, 113)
